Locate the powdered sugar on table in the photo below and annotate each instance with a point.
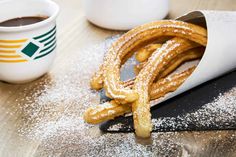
(52, 114)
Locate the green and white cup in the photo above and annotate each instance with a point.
(27, 52)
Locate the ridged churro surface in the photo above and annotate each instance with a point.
(110, 110)
(139, 37)
(160, 61)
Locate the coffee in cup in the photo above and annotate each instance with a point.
(27, 39)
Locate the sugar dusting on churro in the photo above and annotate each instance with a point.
(133, 39)
(53, 116)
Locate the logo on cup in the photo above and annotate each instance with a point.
(24, 50)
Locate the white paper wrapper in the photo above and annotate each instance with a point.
(220, 55)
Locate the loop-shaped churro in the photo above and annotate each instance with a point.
(110, 110)
(132, 41)
(97, 79)
(155, 65)
(162, 62)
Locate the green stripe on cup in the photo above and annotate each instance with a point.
(53, 39)
(48, 38)
(48, 52)
(50, 46)
(43, 35)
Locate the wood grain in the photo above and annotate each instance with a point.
(75, 33)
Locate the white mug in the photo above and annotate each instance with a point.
(27, 52)
(124, 14)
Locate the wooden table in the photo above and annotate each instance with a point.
(75, 34)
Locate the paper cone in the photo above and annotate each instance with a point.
(220, 54)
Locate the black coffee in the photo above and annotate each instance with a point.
(22, 21)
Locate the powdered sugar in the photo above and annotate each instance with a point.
(53, 115)
(218, 113)
(60, 100)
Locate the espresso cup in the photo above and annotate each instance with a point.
(27, 52)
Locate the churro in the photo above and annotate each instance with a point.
(144, 53)
(132, 41)
(159, 62)
(193, 54)
(110, 110)
(97, 79)
(155, 65)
